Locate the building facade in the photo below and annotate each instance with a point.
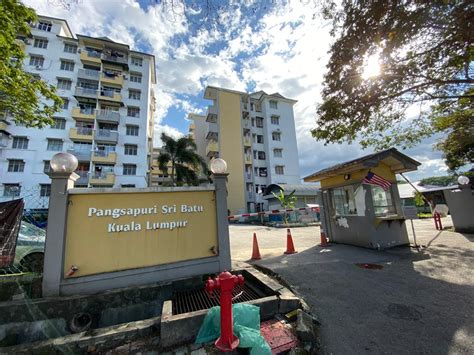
(106, 120)
(255, 134)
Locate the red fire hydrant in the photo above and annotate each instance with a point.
(437, 220)
(225, 282)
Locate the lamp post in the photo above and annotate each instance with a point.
(62, 179)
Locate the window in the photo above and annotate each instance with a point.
(36, 61)
(343, 201)
(259, 122)
(276, 136)
(383, 201)
(274, 104)
(64, 84)
(59, 123)
(46, 166)
(137, 61)
(262, 172)
(127, 185)
(255, 154)
(134, 94)
(279, 170)
(275, 120)
(67, 65)
(132, 130)
(45, 190)
(16, 165)
(259, 138)
(65, 105)
(133, 111)
(252, 106)
(40, 43)
(11, 190)
(278, 153)
(131, 149)
(44, 26)
(55, 145)
(129, 169)
(20, 143)
(70, 48)
(261, 155)
(136, 78)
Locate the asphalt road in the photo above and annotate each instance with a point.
(420, 301)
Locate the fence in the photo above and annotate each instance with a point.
(297, 215)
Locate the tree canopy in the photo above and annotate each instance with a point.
(425, 52)
(24, 97)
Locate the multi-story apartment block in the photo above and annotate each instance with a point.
(106, 120)
(255, 134)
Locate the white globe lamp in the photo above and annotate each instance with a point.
(218, 166)
(463, 180)
(63, 163)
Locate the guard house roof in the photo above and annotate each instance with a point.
(300, 189)
(398, 163)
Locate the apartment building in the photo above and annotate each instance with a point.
(255, 134)
(106, 120)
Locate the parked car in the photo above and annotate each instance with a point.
(29, 255)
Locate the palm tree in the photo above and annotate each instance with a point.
(185, 162)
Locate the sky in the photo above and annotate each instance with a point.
(260, 45)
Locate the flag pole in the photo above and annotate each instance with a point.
(422, 196)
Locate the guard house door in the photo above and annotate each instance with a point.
(327, 213)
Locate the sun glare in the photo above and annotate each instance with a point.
(371, 67)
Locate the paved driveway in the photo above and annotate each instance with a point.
(419, 302)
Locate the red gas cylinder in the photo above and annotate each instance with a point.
(225, 282)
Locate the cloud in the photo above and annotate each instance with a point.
(168, 130)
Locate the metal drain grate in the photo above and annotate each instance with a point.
(198, 299)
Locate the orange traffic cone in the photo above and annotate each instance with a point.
(255, 250)
(290, 248)
(324, 240)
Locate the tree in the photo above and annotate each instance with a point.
(425, 52)
(24, 97)
(286, 202)
(185, 162)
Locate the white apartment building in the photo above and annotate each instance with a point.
(106, 120)
(255, 134)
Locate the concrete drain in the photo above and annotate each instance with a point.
(401, 311)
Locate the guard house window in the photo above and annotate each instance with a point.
(45, 190)
(136, 78)
(67, 65)
(16, 166)
(383, 201)
(275, 120)
(65, 105)
(59, 123)
(20, 143)
(64, 84)
(134, 94)
(261, 155)
(131, 149)
(278, 153)
(11, 190)
(70, 48)
(36, 61)
(274, 104)
(44, 26)
(132, 130)
(276, 136)
(133, 111)
(259, 122)
(343, 201)
(137, 61)
(279, 170)
(46, 166)
(259, 138)
(55, 145)
(40, 43)
(129, 169)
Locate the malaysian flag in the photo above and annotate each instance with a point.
(374, 179)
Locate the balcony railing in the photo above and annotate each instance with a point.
(88, 74)
(250, 195)
(86, 92)
(83, 177)
(81, 154)
(115, 58)
(85, 131)
(212, 131)
(108, 115)
(110, 95)
(106, 135)
(211, 114)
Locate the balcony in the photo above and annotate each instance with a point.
(81, 134)
(110, 95)
(118, 58)
(4, 126)
(211, 114)
(90, 57)
(88, 74)
(103, 178)
(250, 195)
(212, 148)
(108, 116)
(212, 131)
(81, 154)
(83, 113)
(106, 135)
(83, 177)
(104, 157)
(248, 176)
(112, 79)
(247, 141)
(86, 92)
(247, 159)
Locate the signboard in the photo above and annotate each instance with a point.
(410, 212)
(118, 231)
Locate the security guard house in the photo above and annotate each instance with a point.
(360, 200)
